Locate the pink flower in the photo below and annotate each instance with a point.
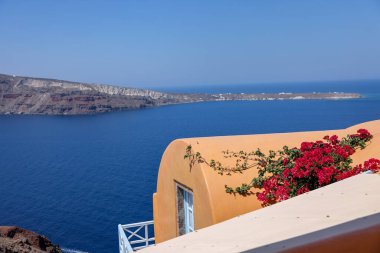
(318, 163)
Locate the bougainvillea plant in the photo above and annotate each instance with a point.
(290, 172)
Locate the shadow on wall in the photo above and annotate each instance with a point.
(360, 235)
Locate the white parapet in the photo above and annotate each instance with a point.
(341, 217)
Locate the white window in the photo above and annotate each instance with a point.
(185, 210)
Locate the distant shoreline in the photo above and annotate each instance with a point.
(41, 96)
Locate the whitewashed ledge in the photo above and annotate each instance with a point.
(341, 217)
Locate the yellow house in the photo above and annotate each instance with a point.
(190, 198)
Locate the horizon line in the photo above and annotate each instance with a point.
(201, 84)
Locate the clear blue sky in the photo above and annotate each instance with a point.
(168, 43)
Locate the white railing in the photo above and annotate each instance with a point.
(135, 236)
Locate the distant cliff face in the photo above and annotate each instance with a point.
(84, 87)
(19, 240)
(26, 95)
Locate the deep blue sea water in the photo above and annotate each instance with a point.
(75, 178)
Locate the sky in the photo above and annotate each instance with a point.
(180, 43)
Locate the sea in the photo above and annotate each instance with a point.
(75, 178)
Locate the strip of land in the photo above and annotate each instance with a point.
(28, 95)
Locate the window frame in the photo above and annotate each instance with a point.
(188, 207)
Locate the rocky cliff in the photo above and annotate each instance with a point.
(19, 240)
(27, 95)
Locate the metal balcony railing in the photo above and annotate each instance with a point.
(135, 236)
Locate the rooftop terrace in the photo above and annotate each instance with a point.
(342, 217)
